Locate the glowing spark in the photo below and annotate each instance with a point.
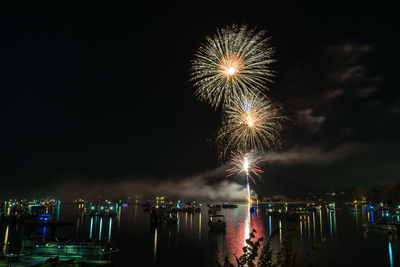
(244, 165)
(254, 123)
(232, 63)
(230, 71)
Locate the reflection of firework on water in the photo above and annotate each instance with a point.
(251, 123)
(233, 63)
(245, 165)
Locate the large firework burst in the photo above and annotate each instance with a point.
(251, 123)
(231, 64)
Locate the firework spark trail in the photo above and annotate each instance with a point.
(251, 123)
(244, 165)
(248, 190)
(232, 63)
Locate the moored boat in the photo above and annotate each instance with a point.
(381, 224)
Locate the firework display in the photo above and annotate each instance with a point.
(252, 123)
(231, 64)
(231, 71)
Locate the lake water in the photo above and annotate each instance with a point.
(189, 243)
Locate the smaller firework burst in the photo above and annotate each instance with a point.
(244, 165)
(251, 123)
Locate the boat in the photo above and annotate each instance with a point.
(331, 206)
(217, 223)
(381, 224)
(212, 210)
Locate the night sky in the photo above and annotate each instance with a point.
(108, 99)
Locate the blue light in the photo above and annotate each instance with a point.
(44, 217)
(390, 254)
(246, 104)
(270, 227)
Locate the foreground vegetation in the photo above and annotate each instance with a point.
(286, 256)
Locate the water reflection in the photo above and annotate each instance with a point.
(109, 230)
(239, 224)
(270, 224)
(301, 228)
(91, 227)
(200, 226)
(100, 227)
(246, 226)
(390, 254)
(155, 245)
(313, 216)
(6, 240)
(332, 223)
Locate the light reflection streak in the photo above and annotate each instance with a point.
(178, 226)
(280, 231)
(301, 228)
(58, 212)
(200, 226)
(109, 230)
(270, 226)
(91, 227)
(313, 219)
(308, 226)
(247, 225)
(191, 222)
(119, 217)
(6, 240)
(334, 222)
(330, 224)
(390, 254)
(155, 245)
(100, 226)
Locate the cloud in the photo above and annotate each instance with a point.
(365, 92)
(351, 73)
(333, 94)
(313, 123)
(312, 155)
(211, 185)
